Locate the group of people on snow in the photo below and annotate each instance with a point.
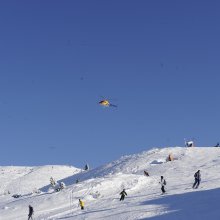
(123, 193)
(57, 186)
(163, 183)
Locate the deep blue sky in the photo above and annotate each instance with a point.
(157, 60)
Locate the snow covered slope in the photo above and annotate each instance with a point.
(21, 180)
(99, 189)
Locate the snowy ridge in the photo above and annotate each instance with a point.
(99, 188)
(23, 180)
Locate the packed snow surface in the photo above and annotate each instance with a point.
(99, 188)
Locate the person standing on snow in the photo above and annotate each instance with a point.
(31, 212)
(163, 183)
(123, 194)
(52, 181)
(86, 167)
(197, 176)
(81, 204)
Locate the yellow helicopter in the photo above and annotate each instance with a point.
(106, 103)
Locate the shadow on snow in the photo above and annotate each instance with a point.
(200, 205)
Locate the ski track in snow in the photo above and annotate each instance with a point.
(99, 188)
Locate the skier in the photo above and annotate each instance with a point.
(197, 176)
(31, 212)
(52, 181)
(62, 185)
(81, 204)
(123, 194)
(163, 183)
(86, 167)
(146, 173)
(169, 158)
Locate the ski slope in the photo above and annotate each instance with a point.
(99, 188)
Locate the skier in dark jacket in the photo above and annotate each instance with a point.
(86, 167)
(197, 176)
(146, 173)
(123, 194)
(31, 212)
(163, 183)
